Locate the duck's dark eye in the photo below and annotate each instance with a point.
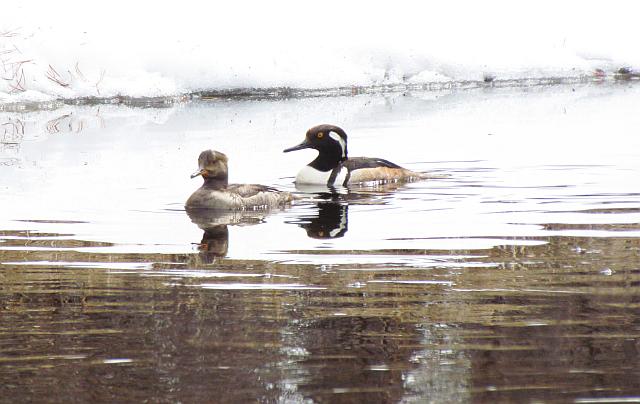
(320, 135)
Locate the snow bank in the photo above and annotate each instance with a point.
(66, 49)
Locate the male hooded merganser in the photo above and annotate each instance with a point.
(217, 193)
(334, 167)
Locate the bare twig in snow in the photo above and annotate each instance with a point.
(102, 73)
(79, 73)
(8, 34)
(16, 77)
(18, 85)
(54, 76)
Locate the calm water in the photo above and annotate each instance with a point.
(512, 276)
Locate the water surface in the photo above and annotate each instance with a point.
(511, 276)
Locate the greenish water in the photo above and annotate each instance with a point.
(514, 276)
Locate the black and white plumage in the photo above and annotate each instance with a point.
(217, 193)
(333, 166)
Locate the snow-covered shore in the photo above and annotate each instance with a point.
(72, 50)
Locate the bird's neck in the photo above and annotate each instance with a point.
(327, 160)
(218, 182)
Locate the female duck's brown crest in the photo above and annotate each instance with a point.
(212, 164)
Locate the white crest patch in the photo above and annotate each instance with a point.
(340, 140)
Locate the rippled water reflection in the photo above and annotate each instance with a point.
(513, 276)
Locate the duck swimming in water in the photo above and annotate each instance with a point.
(217, 193)
(334, 167)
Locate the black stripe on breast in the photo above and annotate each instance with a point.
(334, 175)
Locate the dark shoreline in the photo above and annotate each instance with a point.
(281, 93)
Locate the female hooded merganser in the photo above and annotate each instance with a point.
(217, 193)
(334, 167)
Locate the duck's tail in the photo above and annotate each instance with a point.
(417, 176)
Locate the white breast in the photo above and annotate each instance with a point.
(309, 175)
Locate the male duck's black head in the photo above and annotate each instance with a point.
(331, 143)
(212, 166)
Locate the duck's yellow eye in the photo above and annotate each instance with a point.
(320, 135)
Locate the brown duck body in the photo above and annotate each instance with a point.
(239, 197)
(216, 193)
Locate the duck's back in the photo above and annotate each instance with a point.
(371, 169)
(257, 196)
(239, 197)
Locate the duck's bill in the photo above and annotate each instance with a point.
(197, 173)
(303, 145)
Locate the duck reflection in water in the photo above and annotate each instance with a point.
(332, 217)
(330, 221)
(214, 223)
